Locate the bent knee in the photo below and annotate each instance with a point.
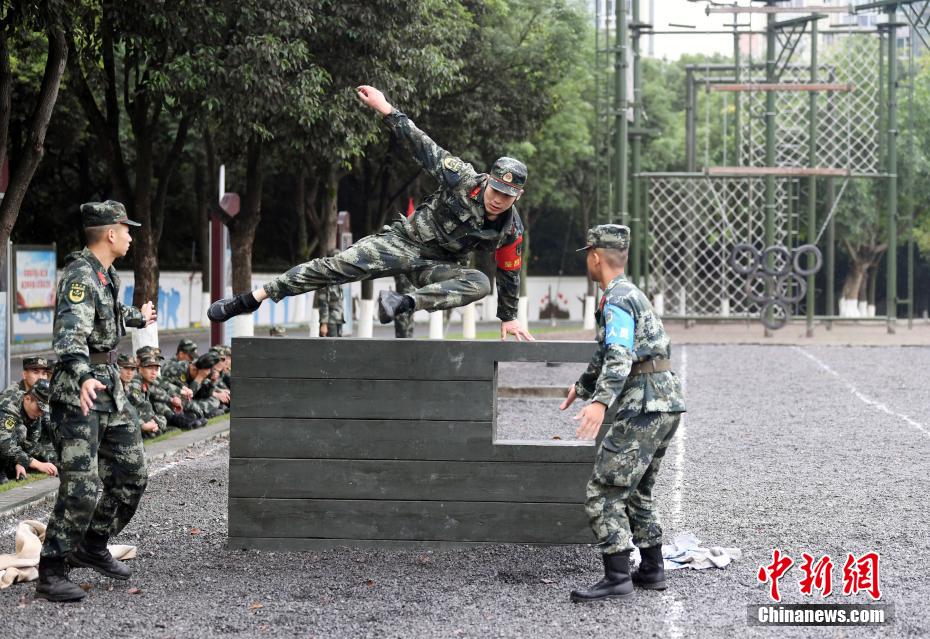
(480, 283)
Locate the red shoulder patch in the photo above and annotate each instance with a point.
(474, 192)
(508, 257)
(102, 278)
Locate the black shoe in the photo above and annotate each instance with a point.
(224, 309)
(616, 583)
(184, 421)
(651, 572)
(54, 584)
(391, 304)
(92, 552)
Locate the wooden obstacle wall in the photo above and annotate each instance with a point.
(392, 443)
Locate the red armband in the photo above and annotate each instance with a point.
(508, 257)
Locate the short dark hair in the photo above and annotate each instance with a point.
(616, 258)
(94, 234)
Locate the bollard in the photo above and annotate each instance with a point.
(366, 318)
(147, 336)
(468, 322)
(658, 304)
(314, 322)
(435, 324)
(588, 312)
(243, 325)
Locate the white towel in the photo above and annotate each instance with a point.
(686, 552)
(23, 564)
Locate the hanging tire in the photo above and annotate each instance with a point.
(783, 288)
(772, 254)
(780, 315)
(741, 252)
(805, 250)
(768, 284)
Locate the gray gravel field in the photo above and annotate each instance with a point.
(775, 452)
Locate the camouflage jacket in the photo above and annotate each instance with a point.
(451, 222)
(629, 331)
(139, 395)
(176, 374)
(15, 390)
(23, 439)
(331, 305)
(89, 318)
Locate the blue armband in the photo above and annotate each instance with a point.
(619, 327)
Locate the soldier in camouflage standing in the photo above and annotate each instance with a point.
(24, 441)
(632, 367)
(470, 211)
(332, 315)
(96, 444)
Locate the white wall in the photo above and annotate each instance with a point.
(180, 303)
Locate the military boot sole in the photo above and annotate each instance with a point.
(654, 585)
(385, 313)
(576, 598)
(61, 597)
(77, 562)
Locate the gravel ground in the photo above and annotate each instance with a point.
(776, 451)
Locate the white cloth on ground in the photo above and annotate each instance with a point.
(686, 551)
(23, 564)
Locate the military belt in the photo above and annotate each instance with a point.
(106, 357)
(651, 366)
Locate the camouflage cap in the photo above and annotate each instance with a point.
(124, 360)
(609, 236)
(508, 176)
(277, 331)
(36, 364)
(207, 360)
(149, 351)
(188, 346)
(42, 391)
(104, 214)
(150, 358)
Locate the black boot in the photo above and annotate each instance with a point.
(391, 304)
(229, 307)
(651, 572)
(184, 421)
(54, 584)
(92, 552)
(616, 583)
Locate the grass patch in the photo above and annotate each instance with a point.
(30, 478)
(177, 431)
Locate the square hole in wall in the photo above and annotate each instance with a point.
(528, 398)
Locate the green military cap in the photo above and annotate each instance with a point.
(277, 331)
(125, 360)
(146, 351)
(508, 176)
(42, 391)
(226, 350)
(150, 358)
(188, 346)
(218, 351)
(36, 364)
(104, 214)
(207, 360)
(608, 236)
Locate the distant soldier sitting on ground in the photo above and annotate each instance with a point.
(166, 400)
(34, 369)
(139, 393)
(469, 212)
(24, 439)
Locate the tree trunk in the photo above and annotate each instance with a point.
(329, 211)
(203, 224)
(144, 244)
(300, 207)
(21, 174)
(852, 283)
(242, 227)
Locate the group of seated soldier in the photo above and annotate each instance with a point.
(182, 393)
(25, 436)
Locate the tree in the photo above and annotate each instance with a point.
(22, 18)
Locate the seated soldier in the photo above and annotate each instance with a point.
(220, 376)
(24, 437)
(139, 393)
(127, 368)
(167, 401)
(196, 378)
(34, 369)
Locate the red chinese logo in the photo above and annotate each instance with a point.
(861, 575)
(774, 571)
(817, 576)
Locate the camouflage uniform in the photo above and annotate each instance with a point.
(102, 447)
(619, 495)
(140, 394)
(203, 404)
(332, 313)
(403, 322)
(428, 246)
(22, 438)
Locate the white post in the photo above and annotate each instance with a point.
(658, 304)
(435, 324)
(724, 307)
(588, 312)
(243, 325)
(204, 307)
(523, 308)
(871, 310)
(366, 318)
(147, 336)
(468, 322)
(314, 322)
(863, 308)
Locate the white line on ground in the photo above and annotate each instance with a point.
(863, 398)
(674, 608)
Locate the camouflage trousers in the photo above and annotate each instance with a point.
(334, 330)
(619, 495)
(440, 282)
(403, 322)
(93, 450)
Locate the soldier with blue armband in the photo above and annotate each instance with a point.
(631, 369)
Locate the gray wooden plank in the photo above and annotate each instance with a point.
(408, 480)
(503, 522)
(371, 399)
(353, 358)
(303, 544)
(392, 439)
